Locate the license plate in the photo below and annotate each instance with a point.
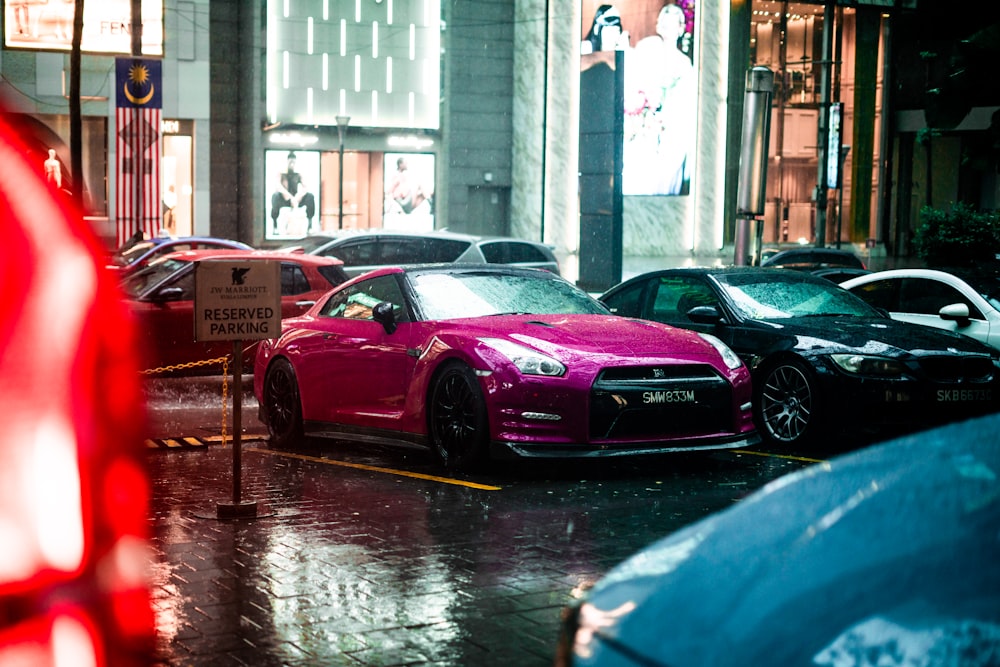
(963, 395)
(668, 396)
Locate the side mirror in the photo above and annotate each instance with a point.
(168, 294)
(705, 315)
(959, 312)
(384, 315)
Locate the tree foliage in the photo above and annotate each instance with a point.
(961, 236)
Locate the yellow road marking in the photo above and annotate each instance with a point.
(778, 456)
(389, 471)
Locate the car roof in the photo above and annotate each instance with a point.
(238, 254)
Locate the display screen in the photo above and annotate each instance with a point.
(47, 25)
(409, 191)
(292, 193)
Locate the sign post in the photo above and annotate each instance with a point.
(237, 301)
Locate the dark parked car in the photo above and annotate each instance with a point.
(813, 259)
(363, 251)
(820, 357)
(161, 299)
(885, 556)
(480, 362)
(136, 255)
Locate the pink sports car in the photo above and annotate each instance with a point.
(481, 362)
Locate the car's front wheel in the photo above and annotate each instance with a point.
(283, 409)
(786, 403)
(457, 419)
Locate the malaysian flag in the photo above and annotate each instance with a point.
(140, 107)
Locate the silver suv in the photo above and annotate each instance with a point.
(367, 250)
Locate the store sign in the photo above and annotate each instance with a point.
(107, 26)
(237, 300)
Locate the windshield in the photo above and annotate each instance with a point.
(137, 284)
(761, 297)
(444, 296)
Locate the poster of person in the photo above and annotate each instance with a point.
(409, 191)
(292, 191)
(661, 86)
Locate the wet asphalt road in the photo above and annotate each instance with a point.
(361, 555)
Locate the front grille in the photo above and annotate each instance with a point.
(651, 402)
(946, 368)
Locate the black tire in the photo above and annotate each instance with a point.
(786, 405)
(282, 407)
(459, 428)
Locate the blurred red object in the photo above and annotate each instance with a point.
(73, 487)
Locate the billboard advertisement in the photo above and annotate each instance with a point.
(661, 88)
(408, 191)
(47, 25)
(292, 193)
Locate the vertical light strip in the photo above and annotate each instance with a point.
(357, 74)
(374, 107)
(374, 39)
(309, 35)
(343, 102)
(388, 12)
(284, 70)
(326, 10)
(388, 74)
(413, 42)
(285, 9)
(429, 7)
(309, 105)
(357, 11)
(326, 71)
(343, 38)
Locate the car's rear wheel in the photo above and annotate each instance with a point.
(283, 409)
(786, 403)
(457, 419)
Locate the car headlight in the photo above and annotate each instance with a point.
(732, 361)
(866, 364)
(528, 361)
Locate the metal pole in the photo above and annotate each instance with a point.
(753, 159)
(824, 129)
(342, 123)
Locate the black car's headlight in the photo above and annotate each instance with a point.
(867, 364)
(528, 361)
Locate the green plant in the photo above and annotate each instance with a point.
(961, 236)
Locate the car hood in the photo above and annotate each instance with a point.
(876, 335)
(887, 551)
(589, 334)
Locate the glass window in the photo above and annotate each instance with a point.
(928, 297)
(358, 301)
(675, 296)
(355, 253)
(511, 252)
(879, 293)
(627, 302)
(293, 280)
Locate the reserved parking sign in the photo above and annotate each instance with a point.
(237, 300)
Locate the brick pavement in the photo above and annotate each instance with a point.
(349, 567)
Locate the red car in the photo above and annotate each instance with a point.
(161, 299)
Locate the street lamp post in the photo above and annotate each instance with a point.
(342, 123)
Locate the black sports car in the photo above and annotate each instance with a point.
(819, 356)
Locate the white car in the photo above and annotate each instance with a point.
(965, 301)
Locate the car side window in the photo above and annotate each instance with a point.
(440, 250)
(511, 252)
(675, 296)
(293, 280)
(879, 293)
(627, 302)
(186, 285)
(357, 301)
(928, 297)
(357, 253)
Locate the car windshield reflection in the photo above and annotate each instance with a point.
(445, 296)
(780, 298)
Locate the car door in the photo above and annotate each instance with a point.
(921, 301)
(351, 369)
